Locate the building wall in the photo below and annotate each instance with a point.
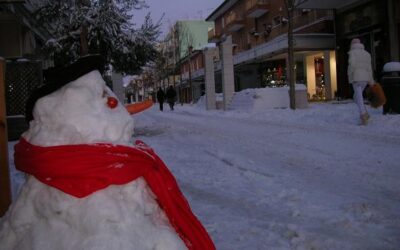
(369, 22)
(256, 30)
(265, 28)
(21, 36)
(247, 76)
(191, 33)
(10, 39)
(396, 28)
(196, 63)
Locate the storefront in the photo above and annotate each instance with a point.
(368, 22)
(315, 69)
(320, 75)
(375, 23)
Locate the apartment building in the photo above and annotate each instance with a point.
(185, 38)
(192, 72)
(259, 33)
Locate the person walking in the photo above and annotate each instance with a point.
(160, 98)
(360, 75)
(171, 97)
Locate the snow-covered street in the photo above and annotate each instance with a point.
(308, 179)
(283, 179)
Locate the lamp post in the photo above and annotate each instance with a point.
(190, 49)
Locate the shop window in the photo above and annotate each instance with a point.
(319, 79)
(274, 75)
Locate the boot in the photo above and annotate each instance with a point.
(364, 119)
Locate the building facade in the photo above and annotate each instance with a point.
(192, 72)
(322, 34)
(260, 45)
(375, 23)
(184, 39)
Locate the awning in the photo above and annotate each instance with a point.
(279, 45)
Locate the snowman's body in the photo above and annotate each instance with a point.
(118, 217)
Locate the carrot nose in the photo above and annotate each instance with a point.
(138, 107)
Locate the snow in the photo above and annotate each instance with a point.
(283, 179)
(62, 117)
(391, 67)
(126, 80)
(275, 178)
(23, 60)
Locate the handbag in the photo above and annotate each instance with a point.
(375, 95)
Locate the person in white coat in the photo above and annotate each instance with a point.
(360, 75)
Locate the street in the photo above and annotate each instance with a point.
(263, 184)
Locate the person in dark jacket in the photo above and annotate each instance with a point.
(171, 97)
(160, 98)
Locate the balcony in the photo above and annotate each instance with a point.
(256, 8)
(234, 21)
(213, 37)
(316, 21)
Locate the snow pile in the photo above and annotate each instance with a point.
(391, 67)
(256, 104)
(257, 100)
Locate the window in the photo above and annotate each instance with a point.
(276, 20)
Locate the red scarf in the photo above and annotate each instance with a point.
(80, 170)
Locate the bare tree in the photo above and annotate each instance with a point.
(291, 5)
(185, 38)
(185, 46)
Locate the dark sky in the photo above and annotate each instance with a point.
(177, 10)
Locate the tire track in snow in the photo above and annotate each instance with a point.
(346, 131)
(231, 164)
(278, 146)
(269, 219)
(294, 172)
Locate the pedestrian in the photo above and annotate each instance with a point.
(160, 98)
(171, 97)
(360, 75)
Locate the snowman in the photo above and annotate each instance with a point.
(88, 186)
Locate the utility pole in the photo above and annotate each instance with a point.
(290, 7)
(292, 91)
(190, 49)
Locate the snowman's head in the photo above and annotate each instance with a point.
(80, 112)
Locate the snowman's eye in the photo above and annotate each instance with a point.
(104, 94)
